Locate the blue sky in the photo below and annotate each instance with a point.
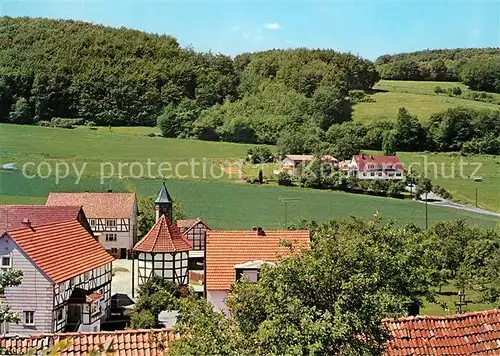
(367, 28)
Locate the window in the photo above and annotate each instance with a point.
(370, 166)
(388, 166)
(110, 222)
(111, 237)
(29, 318)
(59, 315)
(372, 174)
(92, 222)
(86, 276)
(114, 250)
(398, 174)
(6, 261)
(364, 174)
(95, 307)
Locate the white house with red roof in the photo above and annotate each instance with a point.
(231, 255)
(112, 217)
(365, 166)
(66, 284)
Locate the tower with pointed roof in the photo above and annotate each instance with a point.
(163, 203)
(164, 251)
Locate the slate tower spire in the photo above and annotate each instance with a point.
(163, 204)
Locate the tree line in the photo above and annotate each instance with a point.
(479, 68)
(107, 76)
(453, 130)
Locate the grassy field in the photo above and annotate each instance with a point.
(20, 144)
(240, 205)
(448, 297)
(417, 97)
(444, 170)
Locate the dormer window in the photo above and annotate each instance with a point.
(371, 166)
(250, 269)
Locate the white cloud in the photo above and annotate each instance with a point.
(272, 26)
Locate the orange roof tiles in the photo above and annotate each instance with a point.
(476, 333)
(164, 237)
(11, 216)
(127, 342)
(61, 250)
(97, 205)
(224, 249)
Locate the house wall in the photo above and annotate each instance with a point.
(217, 299)
(172, 267)
(125, 230)
(96, 280)
(35, 293)
(379, 175)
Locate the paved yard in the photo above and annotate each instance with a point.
(122, 280)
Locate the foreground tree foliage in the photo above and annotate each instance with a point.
(329, 300)
(9, 278)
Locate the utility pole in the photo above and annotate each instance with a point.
(286, 201)
(426, 212)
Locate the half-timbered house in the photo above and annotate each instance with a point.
(112, 217)
(66, 284)
(195, 230)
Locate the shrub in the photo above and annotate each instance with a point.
(89, 123)
(284, 179)
(143, 319)
(151, 134)
(439, 90)
(65, 123)
(456, 91)
(44, 123)
(395, 189)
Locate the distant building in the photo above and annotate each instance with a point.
(66, 284)
(375, 167)
(233, 254)
(112, 217)
(290, 162)
(195, 230)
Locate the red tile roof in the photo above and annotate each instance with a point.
(126, 342)
(97, 205)
(363, 161)
(475, 333)
(12, 216)
(163, 237)
(186, 225)
(61, 250)
(225, 249)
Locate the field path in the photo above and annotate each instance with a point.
(433, 199)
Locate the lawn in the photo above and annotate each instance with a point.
(241, 205)
(417, 97)
(448, 297)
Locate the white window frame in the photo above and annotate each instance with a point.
(26, 315)
(10, 261)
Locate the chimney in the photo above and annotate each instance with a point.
(258, 230)
(26, 222)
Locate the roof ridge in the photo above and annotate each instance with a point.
(44, 225)
(442, 317)
(85, 333)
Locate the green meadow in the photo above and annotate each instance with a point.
(240, 205)
(225, 202)
(418, 97)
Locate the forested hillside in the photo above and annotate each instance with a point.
(66, 69)
(479, 68)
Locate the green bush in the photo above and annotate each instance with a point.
(260, 154)
(456, 91)
(284, 179)
(439, 90)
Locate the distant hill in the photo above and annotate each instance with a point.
(479, 68)
(110, 76)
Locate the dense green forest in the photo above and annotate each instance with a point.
(54, 68)
(302, 99)
(479, 68)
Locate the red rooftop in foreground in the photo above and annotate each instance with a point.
(476, 333)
